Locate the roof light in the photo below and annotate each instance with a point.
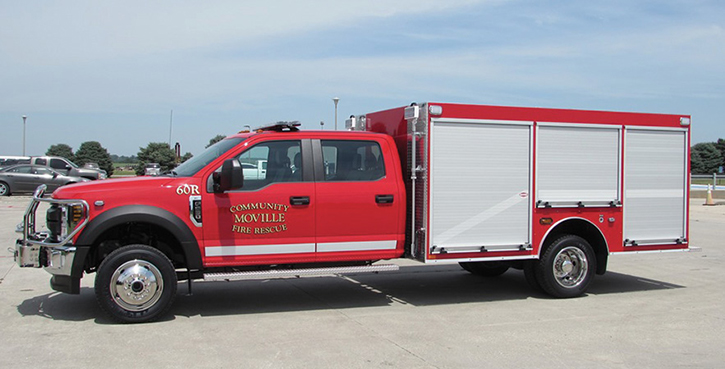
(412, 112)
(685, 121)
(435, 110)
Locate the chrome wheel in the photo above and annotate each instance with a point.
(566, 267)
(570, 267)
(136, 285)
(4, 189)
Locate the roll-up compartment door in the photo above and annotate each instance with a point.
(480, 183)
(655, 179)
(578, 165)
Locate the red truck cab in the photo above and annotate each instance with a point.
(325, 199)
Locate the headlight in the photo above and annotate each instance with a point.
(54, 220)
(63, 219)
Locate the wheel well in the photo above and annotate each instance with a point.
(135, 233)
(585, 230)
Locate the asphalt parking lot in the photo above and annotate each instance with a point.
(648, 311)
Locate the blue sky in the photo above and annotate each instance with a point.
(112, 71)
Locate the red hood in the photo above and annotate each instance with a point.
(136, 187)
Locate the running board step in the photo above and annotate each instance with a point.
(274, 273)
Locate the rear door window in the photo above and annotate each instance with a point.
(352, 160)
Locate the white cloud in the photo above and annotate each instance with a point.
(66, 32)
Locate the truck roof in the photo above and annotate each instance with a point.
(293, 128)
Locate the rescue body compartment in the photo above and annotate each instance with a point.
(493, 183)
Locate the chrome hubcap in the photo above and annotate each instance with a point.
(570, 267)
(3, 189)
(136, 285)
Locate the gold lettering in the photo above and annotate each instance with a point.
(258, 206)
(268, 230)
(238, 229)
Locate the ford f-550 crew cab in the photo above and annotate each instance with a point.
(550, 191)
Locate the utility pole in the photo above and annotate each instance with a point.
(336, 100)
(171, 122)
(24, 118)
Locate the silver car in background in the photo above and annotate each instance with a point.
(25, 178)
(152, 169)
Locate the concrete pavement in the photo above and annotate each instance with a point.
(648, 311)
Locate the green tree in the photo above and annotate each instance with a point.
(186, 157)
(123, 159)
(705, 158)
(93, 152)
(720, 145)
(214, 140)
(156, 152)
(62, 150)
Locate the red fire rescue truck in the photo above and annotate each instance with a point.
(552, 192)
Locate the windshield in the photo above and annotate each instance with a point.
(193, 165)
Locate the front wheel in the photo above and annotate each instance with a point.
(135, 284)
(567, 267)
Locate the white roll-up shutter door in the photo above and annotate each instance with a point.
(480, 183)
(655, 179)
(578, 165)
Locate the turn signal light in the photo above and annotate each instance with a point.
(546, 221)
(76, 213)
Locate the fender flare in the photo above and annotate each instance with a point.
(145, 214)
(602, 254)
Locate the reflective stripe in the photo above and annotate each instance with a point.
(297, 248)
(294, 248)
(356, 246)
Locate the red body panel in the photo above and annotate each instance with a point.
(608, 220)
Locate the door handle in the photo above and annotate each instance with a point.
(299, 200)
(384, 199)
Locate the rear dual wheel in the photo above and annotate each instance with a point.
(486, 269)
(135, 284)
(565, 269)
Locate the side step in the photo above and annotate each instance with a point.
(275, 273)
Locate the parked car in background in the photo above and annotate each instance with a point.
(95, 166)
(67, 167)
(6, 161)
(255, 171)
(25, 178)
(152, 169)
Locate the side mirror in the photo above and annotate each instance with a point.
(55, 175)
(231, 176)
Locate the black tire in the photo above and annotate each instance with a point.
(567, 267)
(4, 189)
(144, 288)
(486, 269)
(530, 275)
